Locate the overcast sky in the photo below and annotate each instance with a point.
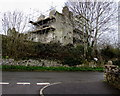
(25, 5)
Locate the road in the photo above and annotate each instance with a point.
(55, 83)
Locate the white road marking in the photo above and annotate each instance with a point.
(23, 83)
(43, 83)
(4, 83)
(41, 90)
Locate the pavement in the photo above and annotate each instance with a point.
(55, 83)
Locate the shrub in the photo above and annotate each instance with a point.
(72, 61)
(19, 49)
(117, 62)
(110, 52)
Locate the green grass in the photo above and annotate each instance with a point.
(36, 68)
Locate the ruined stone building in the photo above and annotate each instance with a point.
(58, 27)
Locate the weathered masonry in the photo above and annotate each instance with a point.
(58, 27)
(112, 74)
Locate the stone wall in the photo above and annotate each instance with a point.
(31, 62)
(112, 75)
(43, 62)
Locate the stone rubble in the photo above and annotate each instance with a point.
(112, 74)
(31, 62)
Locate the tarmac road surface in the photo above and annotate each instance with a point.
(69, 83)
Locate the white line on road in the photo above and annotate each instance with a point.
(23, 83)
(43, 83)
(41, 90)
(4, 83)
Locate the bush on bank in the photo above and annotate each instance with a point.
(21, 49)
(17, 48)
(110, 53)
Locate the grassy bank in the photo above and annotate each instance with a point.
(36, 68)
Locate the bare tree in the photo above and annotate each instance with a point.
(93, 18)
(15, 19)
(99, 15)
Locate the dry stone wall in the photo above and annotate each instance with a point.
(31, 62)
(112, 74)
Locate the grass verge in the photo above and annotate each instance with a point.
(37, 68)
